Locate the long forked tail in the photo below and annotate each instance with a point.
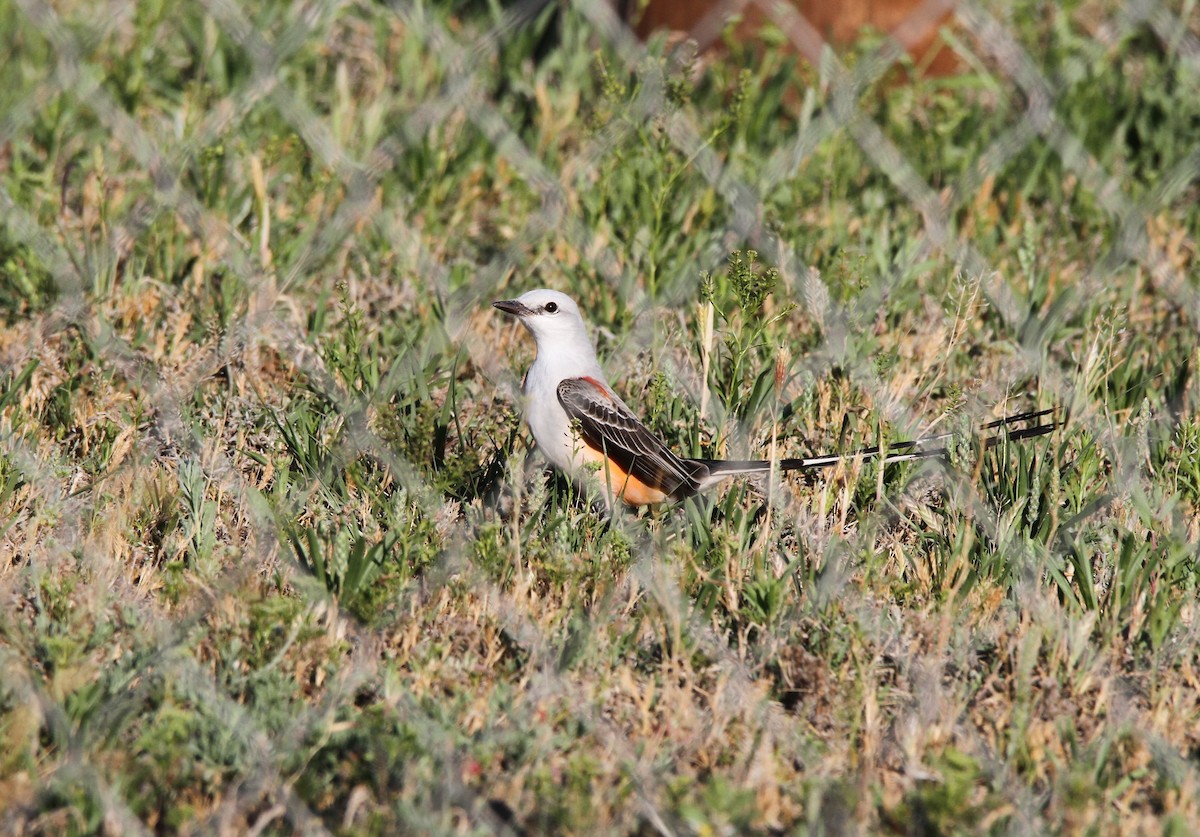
(924, 448)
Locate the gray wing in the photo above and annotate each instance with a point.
(607, 425)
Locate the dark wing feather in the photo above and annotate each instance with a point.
(607, 425)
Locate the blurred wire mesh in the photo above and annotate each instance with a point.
(85, 259)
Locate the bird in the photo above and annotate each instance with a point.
(582, 426)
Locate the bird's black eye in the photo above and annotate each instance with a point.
(550, 307)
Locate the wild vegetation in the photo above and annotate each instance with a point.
(276, 554)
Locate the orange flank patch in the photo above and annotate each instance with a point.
(624, 485)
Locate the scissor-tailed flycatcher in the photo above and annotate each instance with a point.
(578, 421)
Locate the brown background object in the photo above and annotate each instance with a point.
(808, 23)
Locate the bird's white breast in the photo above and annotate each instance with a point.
(548, 421)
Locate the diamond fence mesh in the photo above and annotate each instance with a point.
(277, 557)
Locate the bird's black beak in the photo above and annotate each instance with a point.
(512, 306)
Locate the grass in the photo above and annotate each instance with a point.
(276, 553)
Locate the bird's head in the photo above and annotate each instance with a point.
(552, 318)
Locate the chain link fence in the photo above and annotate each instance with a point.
(195, 469)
